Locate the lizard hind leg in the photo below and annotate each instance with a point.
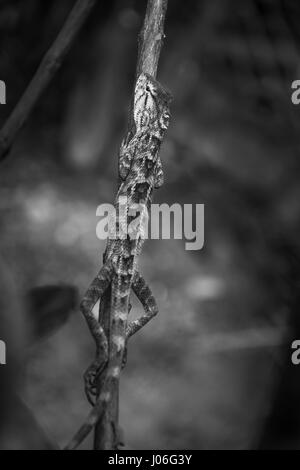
(145, 296)
(93, 294)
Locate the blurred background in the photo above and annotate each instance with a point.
(213, 370)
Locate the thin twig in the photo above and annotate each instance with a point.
(151, 37)
(44, 74)
(150, 43)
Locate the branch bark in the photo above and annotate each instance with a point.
(150, 43)
(151, 37)
(44, 74)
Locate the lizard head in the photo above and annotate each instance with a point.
(151, 105)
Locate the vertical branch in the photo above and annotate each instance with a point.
(151, 37)
(150, 42)
(104, 435)
(44, 74)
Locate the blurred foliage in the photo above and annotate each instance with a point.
(207, 372)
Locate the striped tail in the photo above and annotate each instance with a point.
(91, 420)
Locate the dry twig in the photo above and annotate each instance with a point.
(150, 43)
(44, 74)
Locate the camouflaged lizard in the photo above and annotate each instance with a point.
(140, 171)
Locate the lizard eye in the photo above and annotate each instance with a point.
(142, 187)
(149, 164)
(150, 90)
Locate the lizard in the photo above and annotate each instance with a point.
(140, 172)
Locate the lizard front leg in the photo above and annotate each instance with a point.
(93, 294)
(145, 296)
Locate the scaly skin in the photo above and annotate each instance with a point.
(140, 172)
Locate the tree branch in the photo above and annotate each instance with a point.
(150, 43)
(151, 37)
(44, 74)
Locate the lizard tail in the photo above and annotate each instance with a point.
(88, 425)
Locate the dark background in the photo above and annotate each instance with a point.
(213, 370)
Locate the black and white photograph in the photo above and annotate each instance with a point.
(149, 227)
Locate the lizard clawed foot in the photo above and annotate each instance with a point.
(90, 380)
